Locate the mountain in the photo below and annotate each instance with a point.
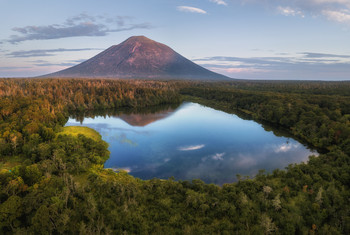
(140, 57)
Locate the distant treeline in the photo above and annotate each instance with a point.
(91, 94)
(55, 184)
(341, 88)
(321, 120)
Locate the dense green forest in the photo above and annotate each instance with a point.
(52, 182)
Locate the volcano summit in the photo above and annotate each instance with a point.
(139, 57)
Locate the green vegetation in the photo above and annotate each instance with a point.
(321, 120)
(52, 179)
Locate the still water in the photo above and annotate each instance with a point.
(192, 142)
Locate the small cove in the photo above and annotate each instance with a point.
(192, 142)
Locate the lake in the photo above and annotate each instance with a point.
(191, 142)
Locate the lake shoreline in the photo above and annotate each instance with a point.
(192, 141)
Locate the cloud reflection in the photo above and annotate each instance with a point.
(286, 147)
(191, 147)
(218, 156)
(245, 161)
(127, 169)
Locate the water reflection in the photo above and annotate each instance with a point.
(192, 141)
(191, 147)
(133, 116)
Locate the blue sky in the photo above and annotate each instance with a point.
(248, 39)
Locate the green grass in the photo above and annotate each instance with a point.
(76, 130)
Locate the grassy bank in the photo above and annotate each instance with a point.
(76, 130)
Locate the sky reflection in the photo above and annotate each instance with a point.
(192, 142)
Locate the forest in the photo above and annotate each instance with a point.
(52, 182)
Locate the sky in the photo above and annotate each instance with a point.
(245, 39)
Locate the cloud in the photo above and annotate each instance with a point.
(287, 11)
(43, 63)
(78, 26)
(323, 55)
(219, 2)
(12, 68)
(48, 52)
(191, 9)
(18, 71)
(274, 61)
(337, 16)
(191, 147)
(53, 64)
(333, 10)
(237, 70)
(303, 65)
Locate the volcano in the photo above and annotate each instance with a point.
(140, 58)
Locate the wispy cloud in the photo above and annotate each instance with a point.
(191, 147)
(17, 71)
(288, 11)
(48, 63)
(333, 10)
(338, 16)
(78, 26)
(219, 2)
(303, 65)
(48, 52)
(191, 9)
(12, 68)
(66, 64)
(323, 55)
